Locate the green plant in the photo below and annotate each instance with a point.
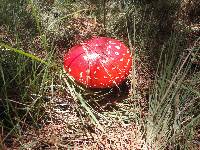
(22, 74)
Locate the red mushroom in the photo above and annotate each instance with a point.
(100, 62)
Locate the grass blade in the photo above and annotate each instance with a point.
(23, 53)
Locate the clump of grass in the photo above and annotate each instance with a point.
(22, 73)
(168, 116)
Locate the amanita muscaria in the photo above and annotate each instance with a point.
(99, 62)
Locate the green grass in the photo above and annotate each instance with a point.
(170, 103)
(31, 72)
(22, 73)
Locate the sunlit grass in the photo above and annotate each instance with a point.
(168, 102)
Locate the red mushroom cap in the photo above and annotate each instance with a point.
(100, 62)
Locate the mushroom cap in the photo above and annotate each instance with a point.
(99, 62)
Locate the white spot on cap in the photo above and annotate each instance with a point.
(88, 77)
(116, 53)
(105, 77)
(117, 47)
(128, 61)
(98, 68)
(111, 42)
(84, 82)
(81, 74)
(105, 61)
(109, 46)
(117, 78)
(121, 59)
(88, 71)
(92, 56)
(113, 68)
(95, 72)
(69, 69)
